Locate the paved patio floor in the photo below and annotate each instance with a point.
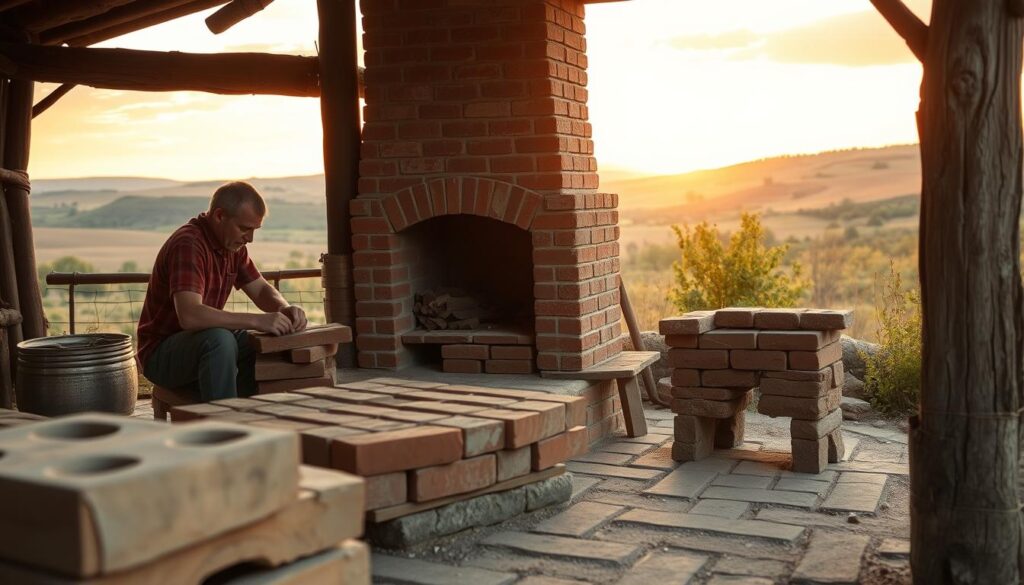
(740, 516)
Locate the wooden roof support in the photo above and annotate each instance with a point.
(45, 103)
(8, 4)
(234, 13)
(906, 24)
(221, 73)
(52, 13)
(123, 20)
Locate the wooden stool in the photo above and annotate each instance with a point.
(624, 369)
(164, 399)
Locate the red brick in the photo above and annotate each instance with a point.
(511, 366)
(512, 352)
(513, 463)
(389, 489)
(521, 427)
(708, 392)
(728, 378)
(798, 340)
(316, 443)
(465, 351)
(703, 359)
(816, 360)
(549, 452)
(685, 377)
(777, 319)
(431, 483)
(753, 359)
(461, 366)
(384, 452)
(729, 339)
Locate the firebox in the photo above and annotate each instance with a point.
(478, 220)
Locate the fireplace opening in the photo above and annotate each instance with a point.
(472, 284)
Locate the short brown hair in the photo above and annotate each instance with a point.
(232, 196)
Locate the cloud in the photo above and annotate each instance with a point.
(859, 39)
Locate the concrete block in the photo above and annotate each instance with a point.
(739, 317)
(548, 492)
(815, 429)
(729, 339)
(801, 340)
(692, 323)
(823, 319)
(810, 456)
(753, 359)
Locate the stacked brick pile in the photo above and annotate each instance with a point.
(793, 355)
(480, 351)
(298, 360)
(420, 443)
(107, 499)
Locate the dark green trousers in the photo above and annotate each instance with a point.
(217, 362)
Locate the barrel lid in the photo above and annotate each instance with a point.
(78, 342)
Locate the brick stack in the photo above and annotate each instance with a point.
(420, 444)
(793, 355)
(492, 351)
(106, 499)
(298, 360)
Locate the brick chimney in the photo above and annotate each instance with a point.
(477, 162)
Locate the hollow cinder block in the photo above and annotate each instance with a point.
(93, 506)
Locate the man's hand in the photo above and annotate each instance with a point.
(297, 317)
(273, 323)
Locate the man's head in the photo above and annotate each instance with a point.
(236, 212)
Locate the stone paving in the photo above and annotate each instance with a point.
(738, 517)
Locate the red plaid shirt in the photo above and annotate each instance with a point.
(190, 260)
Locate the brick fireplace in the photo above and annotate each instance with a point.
(477, 171)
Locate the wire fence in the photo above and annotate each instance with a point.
(115, 307)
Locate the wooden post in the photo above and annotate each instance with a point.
(17, 137)
(965, 443)
(339, 110)
(8, 272)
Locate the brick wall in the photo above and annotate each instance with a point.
(478, 109)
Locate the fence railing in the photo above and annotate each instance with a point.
(73, 279)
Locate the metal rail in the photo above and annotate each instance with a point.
(73, 279)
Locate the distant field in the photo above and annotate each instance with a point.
(108, 249)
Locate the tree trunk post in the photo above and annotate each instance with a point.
(339, 110)
(964, 445)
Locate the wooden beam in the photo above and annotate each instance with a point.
(234, 13)
(52, 13)
(8, 272)
(223, 73)
(906, 24)
(8, 4)
(45, 103)
(123, 20)
(1016, 7)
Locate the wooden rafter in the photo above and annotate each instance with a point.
(123, 20)
(223, 73)
(52, 13)
(45, 103)
(906, 24)
(233, 13)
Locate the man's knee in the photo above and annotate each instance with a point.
(218, 342)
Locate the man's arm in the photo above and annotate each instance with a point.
(270, 300)
(193, 314)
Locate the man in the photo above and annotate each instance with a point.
(186, 338)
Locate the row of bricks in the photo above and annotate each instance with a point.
(371, 206)
(460, 55)
(698, 322)
(380, 236)
(543, 68)
(483, 351)
(380, 186)
(470, 90)
(474, 115)
(453, 117)
(431, 134)
(428, 26)
(755, 359)
(791, 383)
(542, 308)
(490, 366)
(398, 260)
(567, 14)
(727, 402)
(807, 340)
(695, 437)
(545, 161)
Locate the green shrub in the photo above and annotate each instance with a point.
(745, 272)
(893, 374)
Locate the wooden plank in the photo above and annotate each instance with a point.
(348, 563)
(306, 355)
(325, 510)
(129, 69)
(314, 335)
(632, 407)
(385, 514)
(276, 367)
(119, 21)
(627, 363)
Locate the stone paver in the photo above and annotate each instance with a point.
(869, 467)
(542, 580)
(659, 458)
(831, 557)
(753, 528)
(604, 457)
(826, 476)
(894, 547)
(723, 508)
(648, 439)
(794, 484)
(758, 468)
(416, 572)
(856, 492)
(875, 456)
(893, 435)
(743, 481)
(684, 482)
(581, 484)
(736, 580)
(612, 471)
(676, 568)
(799, 499)
(765, 568)
(628, 448)
(579, 519)
(559, 546)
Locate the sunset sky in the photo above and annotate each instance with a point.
(675, 85)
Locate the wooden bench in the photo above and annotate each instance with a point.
(164, 399)
(624, 369)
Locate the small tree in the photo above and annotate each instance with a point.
(746, 272)
(893, 373)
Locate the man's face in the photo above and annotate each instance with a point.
(233, 232)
